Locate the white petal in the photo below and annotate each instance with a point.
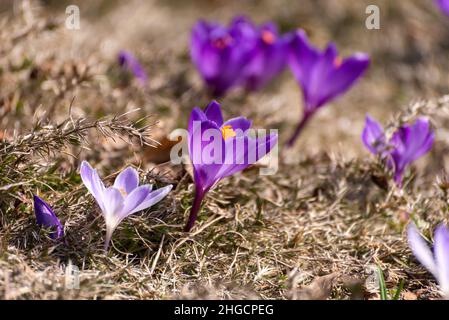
(421, 250)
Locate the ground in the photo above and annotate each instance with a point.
(317, 229)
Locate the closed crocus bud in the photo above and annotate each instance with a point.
(46, 218)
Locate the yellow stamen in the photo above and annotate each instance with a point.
(228, 132)
(338, 61)
(123, 192)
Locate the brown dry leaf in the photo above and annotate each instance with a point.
(319, 289)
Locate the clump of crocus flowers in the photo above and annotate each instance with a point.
(219, 148)
(46, 218)
(407, 144)
(241, 54)
(438, 262)
(124, 198)
(322, 75)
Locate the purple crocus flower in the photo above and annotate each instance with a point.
(129, 62)
(220, 53)
(124, 198)
(373, 136)
(46, 218)
(407, 144)
(438, 262)
(219, 149)
(268, 59)
(443, 5)
(323, 75)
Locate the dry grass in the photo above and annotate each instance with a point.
(329, 210)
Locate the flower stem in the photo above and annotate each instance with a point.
(107, 239)
(298, 130)
(196, 206)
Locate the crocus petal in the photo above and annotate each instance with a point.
(373, 136)
(443, 5)
(47, 218)
(153, 198)
(93, 183)
(302, 57)
(421, 250)
(269, 58)
(135, 199)
(213, 113)
(441, 250)
(239, 124)
(113, 204)
(410, 143)
(127, 180)
(204, 171)
(253, 150)
(340, 79)
(322, 74)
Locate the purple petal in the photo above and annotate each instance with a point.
(443, 5)
(135, 199)
(204, 170)
(441, 250)
(421, 250)
(213, 113)
(127, 180)
(373, 136)
(220, 53)
(410, 143)
(113, 205)
(93, 183)
(240, 124)
(47, 218)
(153, 198)
(322, 75)
(340, 79)
(244, 151)
(268, 60)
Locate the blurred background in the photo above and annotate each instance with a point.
(409, 60)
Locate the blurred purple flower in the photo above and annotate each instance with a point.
(129, 62)
(269, 57)
(407, 144)
(233, 150)
(124, 198)
(443, 5)
(220, 53)
(373, 136)
(46, 218)
(323, 75)
(438, 262)
(241, 54)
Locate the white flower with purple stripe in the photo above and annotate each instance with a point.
(124, 198)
